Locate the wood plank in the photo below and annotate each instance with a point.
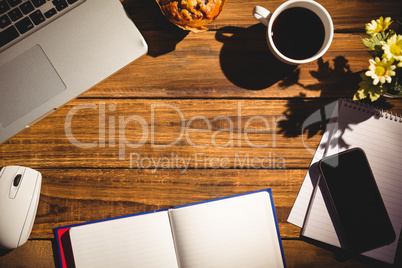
(206, 77)
(70, 196)
(347, 15)
(42, 253)
(239, 62)
(299, 253)
(208, 133)
(240, 65)
(34, 253)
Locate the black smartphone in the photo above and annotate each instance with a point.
(362, 221)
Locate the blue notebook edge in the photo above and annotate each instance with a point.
(268, 190)
(277, 227)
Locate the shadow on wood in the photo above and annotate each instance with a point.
(246, 60)
(331, 78)
(159, 33)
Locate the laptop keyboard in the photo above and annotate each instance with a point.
(19, 18)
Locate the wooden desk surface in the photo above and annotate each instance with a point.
(194, 94)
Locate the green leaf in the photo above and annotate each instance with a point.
(374, 42)
(370, 43)
(377, 52)
(396, 90)
(367, 89)
(374, 96)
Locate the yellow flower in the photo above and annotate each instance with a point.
(378, 25)
(393, 47)
(381, 70)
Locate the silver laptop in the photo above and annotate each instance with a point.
(51, 51)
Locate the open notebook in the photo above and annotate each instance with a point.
(379, 134)
(236, 231)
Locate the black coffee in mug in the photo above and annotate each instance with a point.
(298, 33)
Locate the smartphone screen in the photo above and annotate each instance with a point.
(362, 219)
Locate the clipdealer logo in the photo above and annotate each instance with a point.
(237, 131)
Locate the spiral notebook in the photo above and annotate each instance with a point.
(379, 134)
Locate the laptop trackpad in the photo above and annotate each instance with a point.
(27, 81)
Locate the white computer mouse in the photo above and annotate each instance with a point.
(19, 198)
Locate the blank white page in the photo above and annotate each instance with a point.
(233, 232)
(299, 210)
(138, 241)
(380, 136)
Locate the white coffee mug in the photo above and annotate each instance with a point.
(268, 19)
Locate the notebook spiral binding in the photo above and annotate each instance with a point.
(368, 108)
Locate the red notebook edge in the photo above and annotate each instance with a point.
(65, 253)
